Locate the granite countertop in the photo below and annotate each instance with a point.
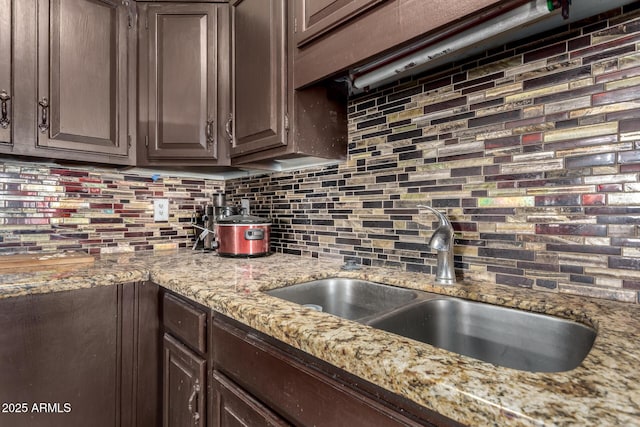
(603, 390)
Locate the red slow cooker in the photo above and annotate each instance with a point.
(243, 236)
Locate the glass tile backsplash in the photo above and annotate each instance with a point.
(51, 208)
(532, 150)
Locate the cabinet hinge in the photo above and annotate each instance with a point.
(146, 141)
(295, 25)
(128, 144)
(286, 122)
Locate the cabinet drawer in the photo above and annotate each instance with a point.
(233, 406)
(186, 322)
(298, 393)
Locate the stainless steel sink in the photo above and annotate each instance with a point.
(499, 335)
(346, 298)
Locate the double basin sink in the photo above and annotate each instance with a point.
(503, 336)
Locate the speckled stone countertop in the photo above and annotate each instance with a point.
(603, 391)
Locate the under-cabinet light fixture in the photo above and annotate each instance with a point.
(515, 18)
(523, 21)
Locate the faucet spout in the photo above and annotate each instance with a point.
(444, 221)
(442, 241)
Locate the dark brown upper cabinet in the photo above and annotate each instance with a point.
(373, 28)
(316, 17)
(84, 77)
(271, 121)
(6, 80)
(259, 69)
(17, 30)
(74, 79)
(183, 84)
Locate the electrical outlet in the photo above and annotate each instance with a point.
(161, 210)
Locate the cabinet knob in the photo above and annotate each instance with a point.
(44, 118)
(4, 112)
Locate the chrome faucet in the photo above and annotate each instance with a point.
(442, 241)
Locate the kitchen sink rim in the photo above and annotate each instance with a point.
(425, 295)
(418, 296)
(422, 297)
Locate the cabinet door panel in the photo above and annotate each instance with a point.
(6, 63)
(259, 75)
(315, 17)
(147, 362)
(82, 76)
(61, 348)
(184, 386)
(182, 81)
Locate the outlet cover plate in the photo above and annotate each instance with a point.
(161, 210)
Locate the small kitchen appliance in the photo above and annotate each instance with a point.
(232, 231)
(243, 236)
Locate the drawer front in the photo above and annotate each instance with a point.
(186, 322)
(232, 406)
(296, 392)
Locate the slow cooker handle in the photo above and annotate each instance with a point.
(254, 234)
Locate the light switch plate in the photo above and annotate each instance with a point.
(161, 210)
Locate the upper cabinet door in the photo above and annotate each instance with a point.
(259, 75)
(6, 63)
(181, 81)
(83, 79)
(316, 17)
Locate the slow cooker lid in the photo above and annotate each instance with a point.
(243, 219)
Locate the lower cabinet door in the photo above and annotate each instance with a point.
(234, 407)
(59, 359)
(184, 385)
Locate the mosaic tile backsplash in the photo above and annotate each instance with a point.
(532, 150)
(51, 208)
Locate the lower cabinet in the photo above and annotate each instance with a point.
(233, 407)
(184, 362)
(138, 355)
(184, 380)
(78, 358)
(261, 381)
